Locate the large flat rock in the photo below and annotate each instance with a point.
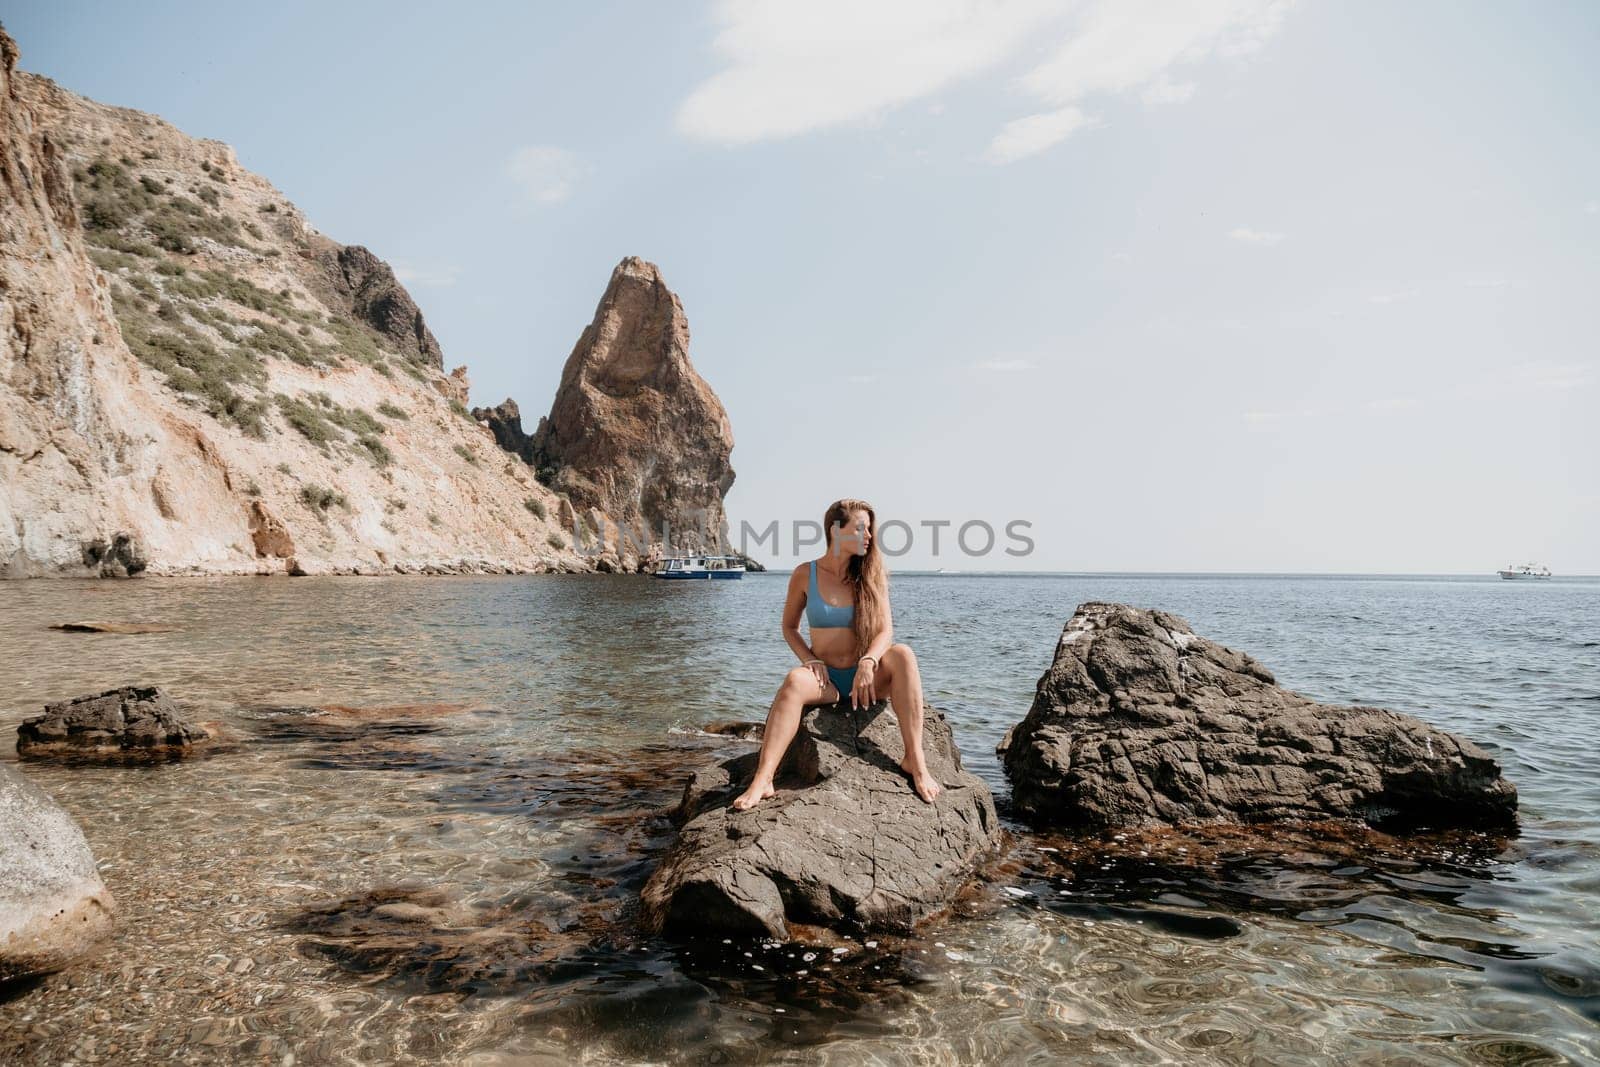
(1141, 722)
(845, 843)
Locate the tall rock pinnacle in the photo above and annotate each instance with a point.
(634, 431)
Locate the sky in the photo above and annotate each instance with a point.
(1218, 285)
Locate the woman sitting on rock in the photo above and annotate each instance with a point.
(845, 596)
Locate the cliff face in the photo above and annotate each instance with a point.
(194, 380)
(635, 436)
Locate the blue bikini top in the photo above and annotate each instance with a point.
(820, 613)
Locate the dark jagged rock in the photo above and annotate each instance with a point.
(127, 721)
(367, 285)
(1140, 722)
(121, 557)
(845, 843)
(505, 422)
(53, 906)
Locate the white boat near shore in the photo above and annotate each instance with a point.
(1525, 570)
(723, 567)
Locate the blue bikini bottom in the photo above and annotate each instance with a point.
(843, 678)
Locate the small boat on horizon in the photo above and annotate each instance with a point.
(724, 567)
(1525, 570)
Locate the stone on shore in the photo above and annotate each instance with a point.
(53, 907)
(845, 843)
(120, 722)
(1140, 722)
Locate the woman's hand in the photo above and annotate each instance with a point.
(864, 693)
(820, 671)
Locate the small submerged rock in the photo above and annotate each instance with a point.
(744, 731)
(846, 842)
(1141, 722)
(54, 908)
(131, 721)
(420, 938)
(115, 627)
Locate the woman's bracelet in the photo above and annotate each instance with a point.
(810, 661)
(874, 660)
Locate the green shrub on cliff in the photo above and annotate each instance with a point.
(308, 419)
(322, 498)
(377, 451)
(192, 364)
(323, 421)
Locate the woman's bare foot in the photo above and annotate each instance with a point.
(927, 788)
(753, 796)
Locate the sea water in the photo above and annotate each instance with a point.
(446, 870)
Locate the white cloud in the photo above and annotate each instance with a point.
(1543, 374)
(1004, 366)
(427, 277)
(1123, 44)
(1592, 207)
(1394, 296)
(545, 173)
(1026, 136)
(791, 68)
(796, 67)
(1245, 235)
(1162, 91)
(1119, 46)
(861, 379)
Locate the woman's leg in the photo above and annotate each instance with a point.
(799, 688)
(898, 673)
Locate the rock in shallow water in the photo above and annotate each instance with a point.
(53, 906)
(129, 721)
(845, 843)
(1140, 722)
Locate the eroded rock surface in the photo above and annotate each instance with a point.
(1141, 722)
(127, 721)
(845, 843)
(635, 434)
(53, 906)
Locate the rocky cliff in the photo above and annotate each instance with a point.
(194, 380)
(635, 438)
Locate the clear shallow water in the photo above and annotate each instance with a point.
(455, 883)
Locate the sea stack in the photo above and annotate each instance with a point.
(635, 436)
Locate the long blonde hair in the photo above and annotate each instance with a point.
(866, 575)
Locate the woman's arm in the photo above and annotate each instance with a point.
(794, 603)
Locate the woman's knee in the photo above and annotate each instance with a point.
(798, 680)
(900, 655)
